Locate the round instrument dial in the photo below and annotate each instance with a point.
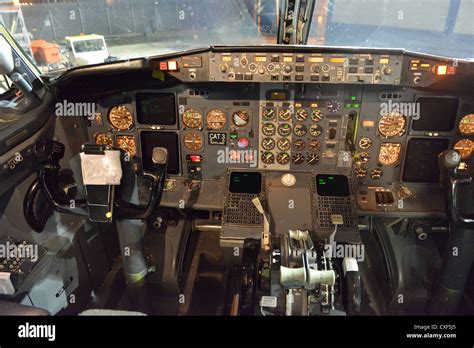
(268, 158)
(333, 105)
(301, 114)
(192, 118)
(298, 158)
(268, 144)
(465, 147)
(312, 158)
(269, 113)
(128, 144)
(193, 141)
(283, 144)
(392, 125)
(314, 145)
(300, 130)
(466, 126)
(315, 130)
(316, 115)
(299, 145)
(364, 157)
(376, 173)
(269, 129)
(285, 114)
(216, 119)
(389, 153)
(283, 158)
(365, 143)
(361, 173)
(240, 118)
(284, 129)
(104, 139)
(121, 118)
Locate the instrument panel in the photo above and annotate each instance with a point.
(363, 115)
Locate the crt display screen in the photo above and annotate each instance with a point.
(332, 185)
(156, 108)
(245, 182)
(436, 114)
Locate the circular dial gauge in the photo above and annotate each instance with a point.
(193, 141)
(389, 153)
(299, 145)
(466, 126)
(315, 130)
(283, 158)
(301, 114)
(216, 119)
(269, 113)
(283, 144)
(268, 144)
(121, 118)
(392, 125)
(333, 105)
(365, 143)
(298, 158)
(300, 130)
(268, 158)
(269, 129)
(361, 173)
(376, 173)
(285, 114)
(240, 118)
(465, 147)
(192, 118)
(314, 145)
(104, 139)
(312, 158)
(364, 157)
(284, 129)
(316, 115)
(128, 144)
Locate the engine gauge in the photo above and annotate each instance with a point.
(121, 118)
(269, 113)
(364, 157)
(333, 105)
(268, 144)
(300, 130)
(361, 173)
(365, 143)
(376, 173)
(301, 114)
(389, 153)
(192, 118)
(466, 126)
(128, 144)
(269, 129)
(284, 129)
(315, 130)
(268, 158)
(283, 144)
(298, 158)
(312, 158)
(465, 147)
(193, 141)
(283, 158)
(299, 145)
(316, 115)
(285, 114)
(392, 125)
(314, 145)
(240, 118)
(104, 139)
(216, 119)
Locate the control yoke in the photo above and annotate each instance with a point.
(103, 201)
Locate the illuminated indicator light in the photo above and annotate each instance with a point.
(315, 59)
(195, 158)
(441, 70)
(384, 60)
(243, 143)
(353, 98)
(172, 65)
(356, 106)
(163, 65)
(337, 60)
(233, 136)
(287, 59)
(314, 105)
(226, 58)
(368, 123)
(348, 106)
(260, 58)
(451, 70)
(108, 215)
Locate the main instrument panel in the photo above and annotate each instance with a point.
(369, 115)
